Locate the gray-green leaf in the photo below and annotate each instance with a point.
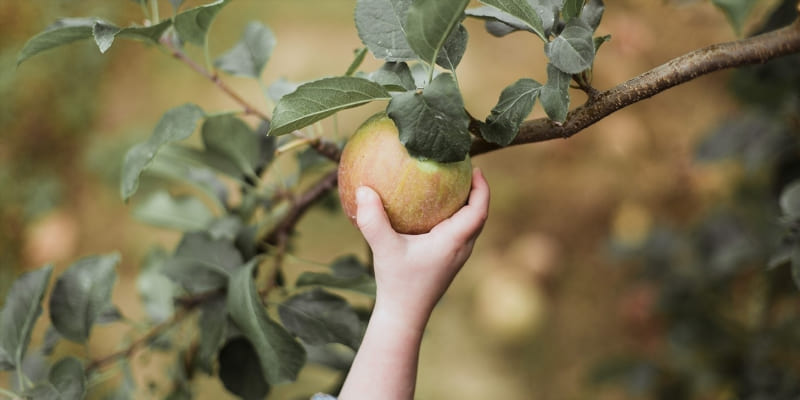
(554, 95)
(319, 317)
(592, 13)
(240, 370)
(498, 23)
(280, 355)
(184, 213)
(232, 138)
(81, 294)
(573, 50)
(522, 10)
(515, 104)
(20, 312)
(155, 289)
(67, 377)
(212, 326)
(433, 124)
(61, 32)
(193, 24)
(395, 76)
(381, 26)
(736, 11)
(176, 124)
(249, 56)
(571, 9)
(453, 49)
(429, 24)
(319, 99)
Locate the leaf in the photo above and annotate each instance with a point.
(453, 50)
(498, 23)
(20, 312)
(151, 34)
(736, 11)
(319, 317)
(394, 76)
(51, 339)
(61, 32)
(790, 199)
(109, 315)
(280, 356)
(249, 56)
(201, 246)
(515, 104)
(571, 9)
(573, 50)
(155, 289)
(212, 327)
(193, 24)
(280, 88)
(104, 35)
(240, 371)
(381, 27)
(429, 24)
(176, 124)
(196, 276)
(172, 166)
(796, 266)
(599, 40)
(186, 213)
(521, 10)
(35, 367)
(319, 99)
(81, 294)
(230, 137)
(592, 13)
(194, 158)
(68, 379)
(433, 124)
(554, 95)
(357, 60)
(363, 284)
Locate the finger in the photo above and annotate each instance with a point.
(469, 220)
(371, 218)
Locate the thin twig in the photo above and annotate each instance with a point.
(213, 77)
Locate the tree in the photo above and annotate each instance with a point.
(255, 328)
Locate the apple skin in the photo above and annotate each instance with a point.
(416, 194)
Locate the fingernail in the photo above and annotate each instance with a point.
(362, 194)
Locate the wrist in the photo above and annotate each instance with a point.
(401, 316)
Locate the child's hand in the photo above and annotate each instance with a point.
(413, 271)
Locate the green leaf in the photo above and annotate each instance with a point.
(554, 95)
(81, 294)
(319, 99)
(201, 246)
(592, 13)
(394, 76)
(195, 276)
(796, 266)
(61, 32)
(194, 158)
(571, 9)
(357, 60)
(429, 24)
(212, 326)
(104, 35)
(573, 50)
(240, 370)
(249, 56)
(68, 379)
(281, 87)
(193, 24)
(790, 199)
(151, 34)
(498, 23)
(280, 356)
(433, 124)
(381, 26)
(184, 213)
(599, 40)
(736, 11)
(20, 312)
(363, 284)
(515, 104)
(166, 165)
(155, 289)
(319, 317)
(176, 124)
(522, 10)
(230, 137)
(453, 50)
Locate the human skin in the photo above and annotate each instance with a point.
(412, 272)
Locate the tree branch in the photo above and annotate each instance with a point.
(755, 50)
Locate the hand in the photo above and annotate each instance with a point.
(412, 272)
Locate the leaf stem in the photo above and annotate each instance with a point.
(154, 6)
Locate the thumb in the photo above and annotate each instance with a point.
(371, 217)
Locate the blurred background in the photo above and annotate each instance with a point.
(626, 262)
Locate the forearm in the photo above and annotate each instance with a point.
(385, 366)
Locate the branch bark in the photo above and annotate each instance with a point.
(755, 50)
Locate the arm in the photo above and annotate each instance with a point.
(412, 273)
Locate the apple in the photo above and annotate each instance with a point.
(417, 194)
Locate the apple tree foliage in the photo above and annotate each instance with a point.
(250, 327)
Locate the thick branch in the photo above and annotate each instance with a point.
(755, 50)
